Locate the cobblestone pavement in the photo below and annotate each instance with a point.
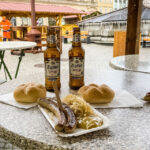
(94, 53)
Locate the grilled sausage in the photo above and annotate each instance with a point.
(71, 123)
(53, 107)
(67, 119)
(71, 119)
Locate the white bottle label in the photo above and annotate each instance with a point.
(52, 68)
(76, 38)
(76, 67)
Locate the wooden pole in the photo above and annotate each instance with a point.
(79, 17)
(33, 17)
(60, 20)
(133, 27)
(57, 21)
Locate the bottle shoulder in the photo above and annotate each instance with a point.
(52, 52)
(52, 49)
(78, 49)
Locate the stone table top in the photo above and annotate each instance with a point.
(129, 130)
(16, 45)
(136, 63)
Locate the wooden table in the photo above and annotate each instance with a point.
(129, 128)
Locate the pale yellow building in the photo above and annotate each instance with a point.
(105, 6)
(146, 3)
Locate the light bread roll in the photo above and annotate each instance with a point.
(29, 93)
(95, 94)
(147, 97)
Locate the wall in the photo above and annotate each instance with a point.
(146, 3)
(119, 4)
(105, 6)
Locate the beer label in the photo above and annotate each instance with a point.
(52, 68)
(76, 67)
(76, 38)
(51, 39)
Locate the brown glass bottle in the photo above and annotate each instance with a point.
(76, 62)
(52, 61)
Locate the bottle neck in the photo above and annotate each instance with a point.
(51, 41)
(76, 40)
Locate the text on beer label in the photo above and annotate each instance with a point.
(76, 66)
(76, 38)
(52, 68)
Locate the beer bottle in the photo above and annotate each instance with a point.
(52, 61)
(76, 62)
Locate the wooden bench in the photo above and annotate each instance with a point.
(145, 40)
(84, 35)
(120, 43)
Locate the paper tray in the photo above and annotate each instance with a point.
(77, 131)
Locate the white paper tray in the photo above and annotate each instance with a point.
(77, 131)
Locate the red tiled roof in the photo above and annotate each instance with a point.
(45, 8)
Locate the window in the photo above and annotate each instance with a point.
(105, 10)
(100, 10)
(25, 21)
(13, 21)
(40, 22)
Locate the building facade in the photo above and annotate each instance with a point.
(105, 6)
(118, 4)
(146, 3)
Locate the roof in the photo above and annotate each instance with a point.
(41, 9)
(118, 15)
(74, 16)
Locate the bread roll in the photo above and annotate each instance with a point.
(96, 94)
(29, 93)
(147, 97)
